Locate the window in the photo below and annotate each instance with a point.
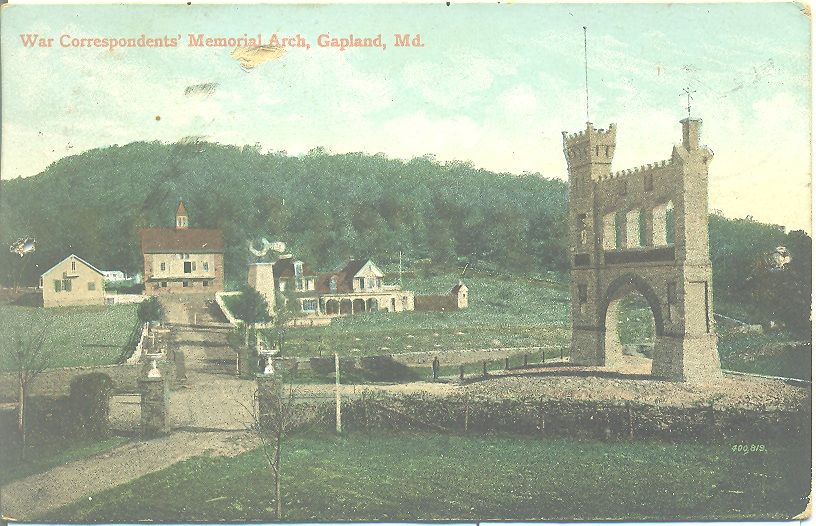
(57, 285)
(282, 285)
(361, 283)
(372, 283)
(310, 284)
(193, 265)
(205, 283)
(298, 284)
(185, 283)
(73, 265)
(163, 266)
(298, 268)
(581, 228)
(309, 305)
(333, 284)
(623, 188)
(91, 285)
(620, 225)
(188, 267)
(206, 265)
(66, 285)
(164, 284)
(582, 294)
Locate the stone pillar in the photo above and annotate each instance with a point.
(261, 278)
(269, 397)
(155, 406)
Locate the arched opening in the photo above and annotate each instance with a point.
(332, 307)
(663, 225)
(632, 320)
(359, 306)
(630, 328)
(345, 307)
(372, 305)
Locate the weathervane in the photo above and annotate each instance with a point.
(687, 92)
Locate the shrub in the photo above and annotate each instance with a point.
(89, 402)
(150, 310)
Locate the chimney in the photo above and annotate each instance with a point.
(691, 133)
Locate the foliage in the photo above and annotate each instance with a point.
(406, 477)
(90, 404)
(76, 335)
(250, 307)
(330, 207)
(150, 310)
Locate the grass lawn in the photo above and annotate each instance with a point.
(42, 457)
(774, 354)
(514, 312)
(95, 335)
(506, 312)
(437, 477)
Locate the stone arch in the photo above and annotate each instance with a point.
(372, 305)
(332, 307)
(620, 286)
(345, 306)
(612, 347)
(358, 306)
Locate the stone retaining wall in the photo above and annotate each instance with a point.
(57, 382)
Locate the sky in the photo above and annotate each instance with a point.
(494, 84)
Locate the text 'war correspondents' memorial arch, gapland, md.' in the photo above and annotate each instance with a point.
(642, 230)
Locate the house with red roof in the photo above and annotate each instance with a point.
(353, 288)
(182, 260)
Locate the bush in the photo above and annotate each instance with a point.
(89, 402)
(386, 369)
(150, 310)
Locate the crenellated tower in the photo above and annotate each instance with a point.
(643, 229)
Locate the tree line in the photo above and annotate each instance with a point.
(326, 207)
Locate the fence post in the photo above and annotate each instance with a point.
(543, 354)
(507, 364)
(484, 369)
(629, 417)
(526, 357)
(365, 412)
(461, 373)
(467, 411)
(339, 426)
(541, 415)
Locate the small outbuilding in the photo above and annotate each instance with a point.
(72, 281)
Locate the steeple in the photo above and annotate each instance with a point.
(182, 221)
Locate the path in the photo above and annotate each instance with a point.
(209, 415)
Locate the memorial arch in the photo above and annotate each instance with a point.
(642, 230)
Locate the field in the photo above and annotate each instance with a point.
(398, 477)
(95, 335)
(517, 312)
(507, 312)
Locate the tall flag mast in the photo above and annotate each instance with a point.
(586, 73)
